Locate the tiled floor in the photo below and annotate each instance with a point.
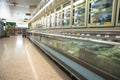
(20, 60)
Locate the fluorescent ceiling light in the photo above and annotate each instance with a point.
(42, 9)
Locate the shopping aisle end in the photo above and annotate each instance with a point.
(20, 60)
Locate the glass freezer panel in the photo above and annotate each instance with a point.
(36, 36)
(52, 19)
(103, 56)
(119, 13)
(100, 12)
(48, 21)
(66, 15)
(43, 22)
(66, 18)
(79, 13)
(58, 16)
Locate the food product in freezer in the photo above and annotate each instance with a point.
(101, 12)
(67, 14)
(80, 10)
(79, 13)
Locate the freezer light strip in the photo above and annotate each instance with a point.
(42, 9)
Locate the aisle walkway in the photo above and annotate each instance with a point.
(20, 60)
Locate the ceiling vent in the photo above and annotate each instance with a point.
(33, 6)
(28, 14)
(14, 4)
(25, 18)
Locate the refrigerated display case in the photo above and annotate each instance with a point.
(101, 54)
(118, 14)
(79, 13)
(58, 17)
(66, 15)
(101, 13)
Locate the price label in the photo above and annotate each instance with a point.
(78, 34)
(80, 15)
(117, 36)
(81, 5)
(93, 24)
(81, 24)
(97, 24)
(97, 11)
(107, 36)
(107, 23)
(103, 10)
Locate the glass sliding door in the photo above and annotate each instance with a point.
(52, 19)
(48, 21)
(101, 13)
(79, 13)
(118, 14)
(44, 22)
(66, 15)
(58, 17)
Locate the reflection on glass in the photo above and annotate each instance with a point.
(58, 16)
(119, 13)
(103, 56)
(66, 18)
(43, 22)
(52, 20)
(66, 15)
(79, 13)
(36, 37)
(119, 16)
(48, 21)
(100, 12)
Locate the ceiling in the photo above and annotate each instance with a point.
(14, 10)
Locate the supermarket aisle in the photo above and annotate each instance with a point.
(20, 60)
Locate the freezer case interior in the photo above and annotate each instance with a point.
(103, 56)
